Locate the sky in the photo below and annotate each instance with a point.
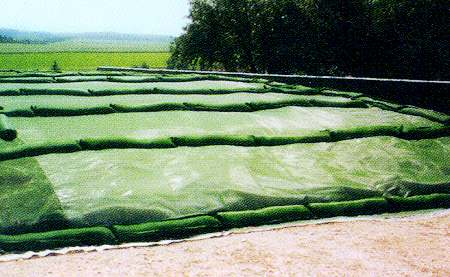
(165, 17)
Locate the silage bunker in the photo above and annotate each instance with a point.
(106, 158)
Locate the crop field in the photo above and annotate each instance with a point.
(91, 158)
(80, 60)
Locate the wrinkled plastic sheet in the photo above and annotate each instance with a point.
(288, 121)
(131, 186)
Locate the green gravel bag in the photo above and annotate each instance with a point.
(349, 208)
(196, 141)
(264, 216)
(124, 143)
(149, 108)
(54, 111)
(31, 150)
(57, 239)
(432, 201)
(7, 130)
(170, 229)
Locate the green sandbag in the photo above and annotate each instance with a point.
(112, 92)
(81, 79)
(341, 93)
(315, 137)
(149, 108)
(424, 132)
(19, 113)
(380, 104)
(419, 202)
(264, 216)
(337, 104)
(169, 229)
(9, 92)
(33, 150)
(429, 114)
(69, 92)
(237, 107)
(53, 111)
(125, 143)
(27, 80)
(133, 79)
(298, 90)
(7, 130)
(266, 105)
(350, 208)
(196, 141)
(57, 239)
(366, 131)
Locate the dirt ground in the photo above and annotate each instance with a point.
(409, 246)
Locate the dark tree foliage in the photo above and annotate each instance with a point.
(380, 38)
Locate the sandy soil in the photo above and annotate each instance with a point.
(411, 246)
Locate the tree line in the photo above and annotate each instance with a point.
(375, 38)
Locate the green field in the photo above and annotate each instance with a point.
(85, 46)
(81, 61)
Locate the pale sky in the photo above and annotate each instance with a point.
(165, 17)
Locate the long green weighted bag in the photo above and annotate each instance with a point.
(366, 131)
(264, 216)
(54, 111)
(431, 201)
(349, 208)
(7, 130)
(124, 143)
(57, 239)
(196, 141)
(33, 150)
(168, 229)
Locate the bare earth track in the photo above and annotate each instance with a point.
(409, 246)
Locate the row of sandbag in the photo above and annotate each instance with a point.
(186, 227)
(111, 92)
(120, 78)
(31, 150)
(52, 111)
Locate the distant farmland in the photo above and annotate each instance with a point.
(81, 60)
(83, 54)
